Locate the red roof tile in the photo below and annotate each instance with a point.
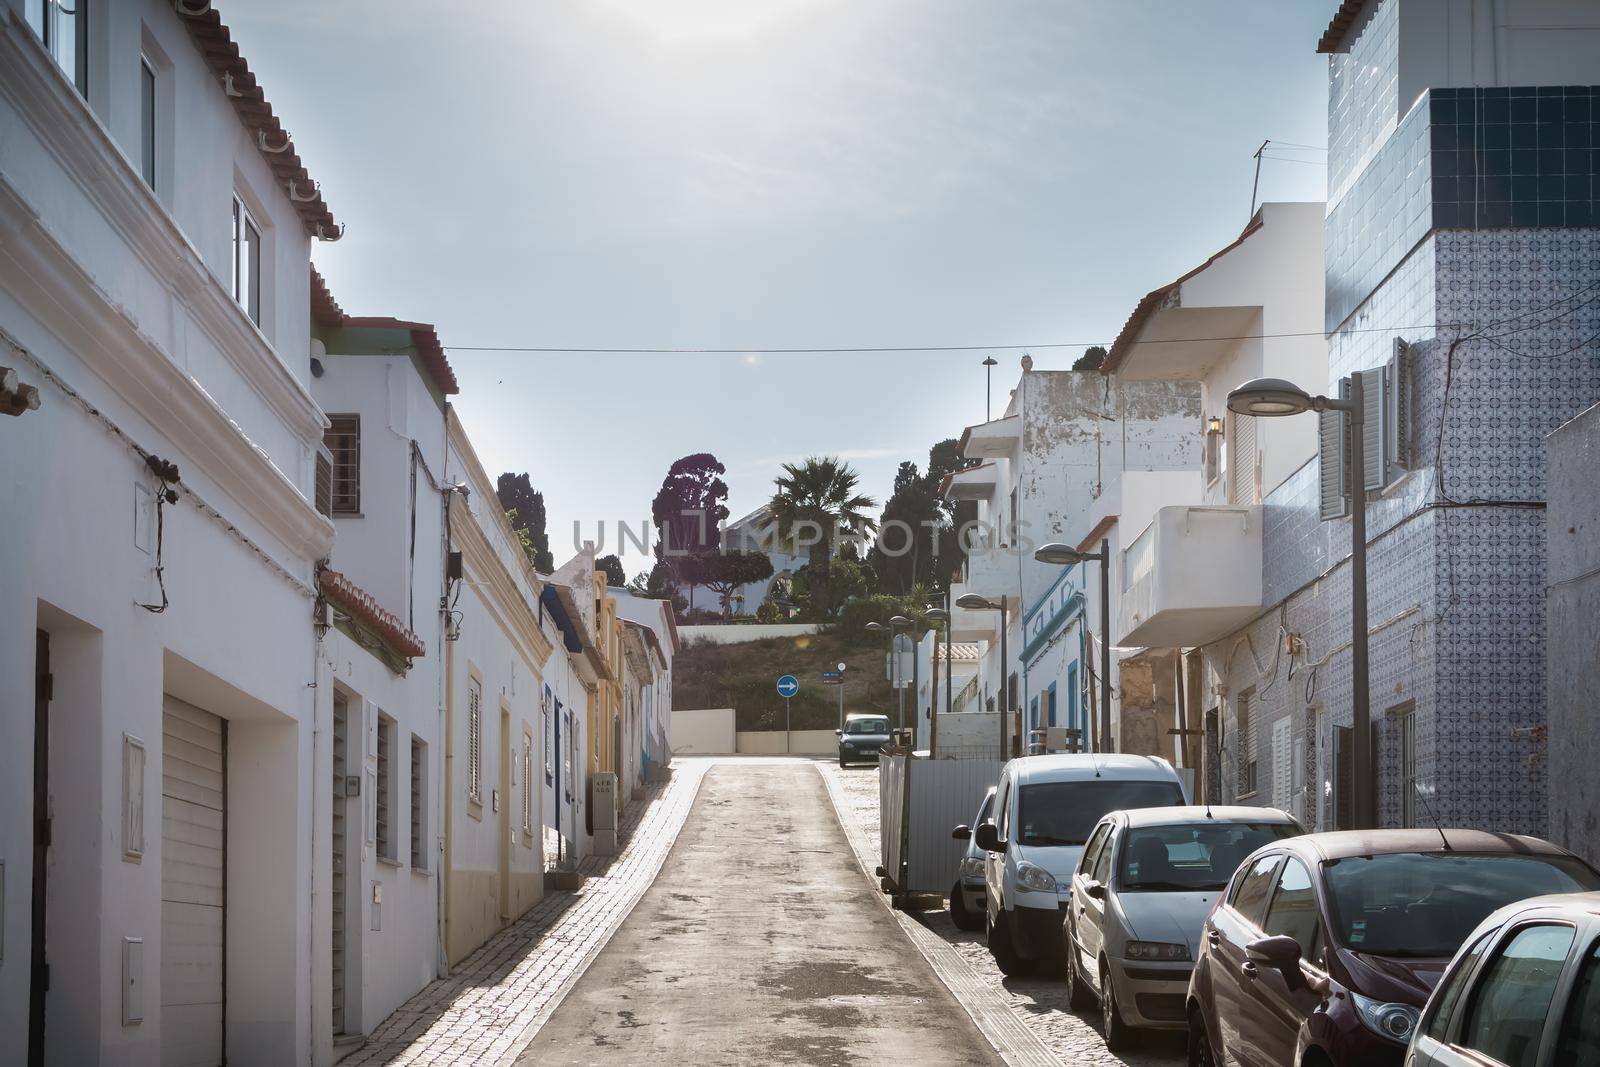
(1343, 19)
(361, 605)
(326, 312)
(216, 46)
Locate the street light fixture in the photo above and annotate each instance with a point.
(1272, 398)
(898, 622)
(938, 614)
(974, 602)
(1066, 556)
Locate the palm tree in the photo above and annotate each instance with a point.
(820, 491)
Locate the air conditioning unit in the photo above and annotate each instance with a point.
(605, 801)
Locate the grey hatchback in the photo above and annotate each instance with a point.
(863, 736)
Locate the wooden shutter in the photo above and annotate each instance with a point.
(1333, 497)
(1401, 448)
(343, 441)
(1242, 459)
(323, 494)
(475, 740)
(1374, 427)
(385, 743)
(1246, 744)
(419, 855)
(1282, 763)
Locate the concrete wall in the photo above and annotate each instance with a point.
(737, 634)
(702, 730)
(972, 735)
(1573, 623)
(798, 742)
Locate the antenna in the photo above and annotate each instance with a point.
(1417, 788)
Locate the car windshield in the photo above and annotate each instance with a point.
(1421, 904)
(867, 726)
(1191, 856)
(1063, 813)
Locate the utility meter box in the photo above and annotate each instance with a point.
(605, 800)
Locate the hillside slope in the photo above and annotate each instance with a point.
(744, 677)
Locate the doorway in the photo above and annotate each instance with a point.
(503, 805)
(341, 768)
(39, 973)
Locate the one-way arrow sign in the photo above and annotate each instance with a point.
(788, 686)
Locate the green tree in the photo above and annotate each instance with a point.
(724, 572)
(815, 504)
(688, 511)
(920, 545)
(519, 499)
(1092, 359)
(612, 566)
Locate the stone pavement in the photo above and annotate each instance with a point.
(966, 966)
(496, 999)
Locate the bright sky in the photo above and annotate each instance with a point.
(772, 174)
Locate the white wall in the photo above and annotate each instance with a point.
(738, 634)
(701, 731)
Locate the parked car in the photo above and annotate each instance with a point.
(1045, 808)
(862, 737)
(1524, 990)
(966, 896)
(1140, 895)
(1325, 947)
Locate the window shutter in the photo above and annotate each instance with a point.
(475, 740)
(1332, 450)
(419, 855)
(1242, 459)
(1246, 746)
(1375, 427)
(385, 740)
(1282, 764)
(323, 494)
(133, 763)
(1402, 452)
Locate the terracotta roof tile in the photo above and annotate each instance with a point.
(1343, 20)
(215, 44)
(326, 312)
(361, 605)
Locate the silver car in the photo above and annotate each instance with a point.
(967, 895)
(1140, 896)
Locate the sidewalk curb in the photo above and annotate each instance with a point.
(524, 1038)
(1015, 1042)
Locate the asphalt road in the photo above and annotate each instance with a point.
(760, 942)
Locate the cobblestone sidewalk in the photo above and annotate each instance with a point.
(496, 999)
(1040, 1004)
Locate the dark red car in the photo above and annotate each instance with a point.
(1324, 948)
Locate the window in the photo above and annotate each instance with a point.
(1050, 705)
(246, 261)
(1102, 863)
(1404, 719)
(385, 817)
(1003, 818)
(1396, 905)
(1091, 851)
(1293, 911)
(1443, 1006)
(63, 26)
(133, 764)
(1250, 893)
(1243, 487)
(147, 121)
(527, 781)
(475, 740)
(1072, 700)
(1509, 1006)
(343, 442)
(1192, 857)
(419, 803)
(1579, 1040)
(549, 724)
(1212, 455)
(567, 756)
(1064, 813)
(1245, 746)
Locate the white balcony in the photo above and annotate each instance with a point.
(1192, 576)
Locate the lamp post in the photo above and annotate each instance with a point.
(938, 615)
(989, 364)
(896, 624)
(974, 602)
(1066, 556)
(1274, 398)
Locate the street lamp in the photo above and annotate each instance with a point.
(974, 602)
(896, 624)
(937, 614)
(1273, 398)
(1067, 556)
(989, 364)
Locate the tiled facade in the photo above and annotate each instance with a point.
(1502, 310)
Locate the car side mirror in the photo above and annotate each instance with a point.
(1096, 890)
(962, 833)
(988, 838)
(1281, 951)
(838, 733)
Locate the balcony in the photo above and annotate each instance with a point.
(1192, 576)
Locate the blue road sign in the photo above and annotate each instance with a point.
(830, 676)
(788, 686)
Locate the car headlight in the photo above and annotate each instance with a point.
(1157, 950)
(972, 867)
(1032, 876)
(1397, 1022)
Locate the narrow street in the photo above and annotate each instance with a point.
(761, 941)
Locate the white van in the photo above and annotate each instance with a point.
(1045, 808)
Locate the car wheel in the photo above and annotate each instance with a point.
(1118, 1034)
(1004, 952)
(1200, 1054)
(963, 918)
(1079, 996)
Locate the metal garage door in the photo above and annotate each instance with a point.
(193, 804)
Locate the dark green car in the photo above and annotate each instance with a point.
(863, 735)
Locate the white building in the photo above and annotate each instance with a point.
(158, 797)
(1187, 565)
(756, 532)
(379, 823)
(652, 744)
(1065, 441)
